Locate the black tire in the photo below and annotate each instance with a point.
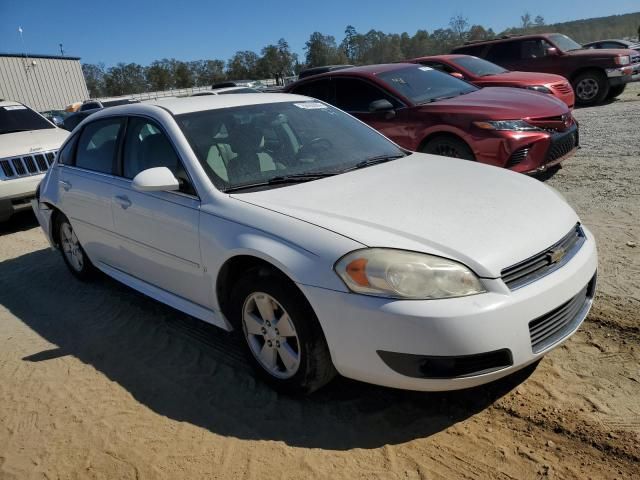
(616, 91)
(315, 368)
(85, 270)
(591, 88)
(448, 146)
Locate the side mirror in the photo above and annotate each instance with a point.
(382, 106)
(57, 121)
(552, 52)
(158, 179)
(457, 75)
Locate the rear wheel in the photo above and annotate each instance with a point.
(282, 335)
(591, 88)
(72, 252)
(616, 91)
(448, 146)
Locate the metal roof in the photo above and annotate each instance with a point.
(35, 55)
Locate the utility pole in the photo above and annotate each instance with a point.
(61, 49)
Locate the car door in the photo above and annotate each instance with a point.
(355, 95)
(534, 57)
(507, 55)
(158, 231)
(85, 179)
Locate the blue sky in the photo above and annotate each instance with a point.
(141, 31)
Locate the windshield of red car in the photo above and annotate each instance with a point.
(478, 66)
(424, 84)
(564, 43)
(18, 118)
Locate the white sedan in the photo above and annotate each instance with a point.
(323, 244)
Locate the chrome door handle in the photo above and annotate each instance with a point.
(123, 201)
(66, 185)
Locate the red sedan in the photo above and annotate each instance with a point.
(422, 109)
(486, 74)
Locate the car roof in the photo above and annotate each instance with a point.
(178, 106)
(506, 38)
(449, 56)
(8, 103)
(365, 70)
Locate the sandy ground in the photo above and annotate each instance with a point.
(97, 381)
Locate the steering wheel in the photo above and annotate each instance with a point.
(317, 144)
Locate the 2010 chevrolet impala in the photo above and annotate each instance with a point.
(323, 244)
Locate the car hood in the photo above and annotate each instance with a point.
(524, 78)
(485, 217)
(600, 52)
(32, 141)
(499, 103)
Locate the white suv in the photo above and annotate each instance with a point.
(28, 144)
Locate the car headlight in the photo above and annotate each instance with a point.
(538, 88)
(386, 272)
(623, 60)
(507, 125)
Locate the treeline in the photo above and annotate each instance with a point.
(356, 48)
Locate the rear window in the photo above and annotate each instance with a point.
(18, 118)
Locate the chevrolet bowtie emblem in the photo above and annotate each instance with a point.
(556, 255)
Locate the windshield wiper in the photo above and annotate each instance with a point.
(283, 179)
(367, 162)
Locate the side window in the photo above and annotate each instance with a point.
(504, 52)
(65, 156)
(146, 146)
(354, 95)
(320, 89)
(474, 50)
(534, 48)
(98, 144)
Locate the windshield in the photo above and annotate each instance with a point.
(478, 66)
(564, 43)
(18, 118)
(424, 84)
(242, 146)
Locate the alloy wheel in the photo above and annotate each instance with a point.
(271, 335)
(587, 89)
(71, 247)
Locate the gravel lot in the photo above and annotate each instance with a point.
(97, 381)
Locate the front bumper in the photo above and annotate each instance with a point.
(360, 330)
(16, 194)
(526, 152)
(620, 75)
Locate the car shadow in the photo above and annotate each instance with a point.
(190, 371)
(19, 222)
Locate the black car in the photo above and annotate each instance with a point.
(73, 120)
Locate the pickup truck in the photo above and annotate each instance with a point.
(596, 75)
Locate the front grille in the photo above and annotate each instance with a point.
(26, 165)
(562, 87)
(562, 146)
(518, 156)
(552, 327)
(545, 262)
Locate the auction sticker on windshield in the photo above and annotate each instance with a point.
(310, 105)
(425, 69)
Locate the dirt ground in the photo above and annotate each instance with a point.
(97, 381)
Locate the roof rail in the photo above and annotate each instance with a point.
(501, 37)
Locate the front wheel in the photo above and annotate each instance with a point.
(72, 252)
(282, 335)
(447, 146)
(591, 88)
